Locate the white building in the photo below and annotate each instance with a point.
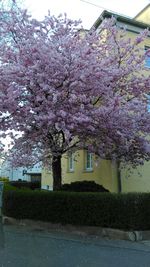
(21, 173)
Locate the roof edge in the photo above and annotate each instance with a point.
(108, 14)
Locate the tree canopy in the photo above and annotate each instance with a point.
(63, 89)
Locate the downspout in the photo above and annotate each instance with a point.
(118, 176)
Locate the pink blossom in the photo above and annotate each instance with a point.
(64, 91)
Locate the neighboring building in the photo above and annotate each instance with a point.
(33, 174)
(83, 165)
(22, 173)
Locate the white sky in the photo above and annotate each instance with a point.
(76, 9)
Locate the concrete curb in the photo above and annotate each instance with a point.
(80, 230)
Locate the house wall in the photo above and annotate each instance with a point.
(103, 173)
(34, 169)
(144, 16)
(10, 172)
(16, 174)
(47, 181)
(136, 180)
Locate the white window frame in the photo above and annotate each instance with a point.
(89, 161)
(71, 162)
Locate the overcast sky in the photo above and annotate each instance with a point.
(87, 10)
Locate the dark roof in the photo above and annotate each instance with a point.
(127, 20)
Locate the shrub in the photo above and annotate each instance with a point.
(25, 184)
(83, 186)
(122, 211)
(4, 179)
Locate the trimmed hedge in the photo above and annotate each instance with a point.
(83, 186)
(121, 211)
(26, 184)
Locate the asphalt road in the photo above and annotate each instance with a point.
(26, 247)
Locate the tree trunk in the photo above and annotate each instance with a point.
(119, 176)
(56, 170)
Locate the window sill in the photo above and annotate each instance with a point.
(69, 171)
(88, 170)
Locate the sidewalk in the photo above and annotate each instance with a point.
(108, 233)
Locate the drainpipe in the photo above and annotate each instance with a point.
(119, 176)
(1, 197)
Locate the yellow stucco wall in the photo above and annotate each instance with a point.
(46, 182)
(103, 172)
(136, 180)
(144, 16)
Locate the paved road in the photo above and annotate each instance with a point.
(26, 247)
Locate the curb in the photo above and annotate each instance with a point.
(109, 233)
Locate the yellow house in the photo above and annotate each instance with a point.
(82, 165)
(144, 15)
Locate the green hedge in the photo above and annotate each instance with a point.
(121, 211)
(26, 184)
(83, 186)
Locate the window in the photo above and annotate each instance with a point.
(147, 58)
(70, 162)
(88, 161)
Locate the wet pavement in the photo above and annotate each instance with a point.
(22, 246)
